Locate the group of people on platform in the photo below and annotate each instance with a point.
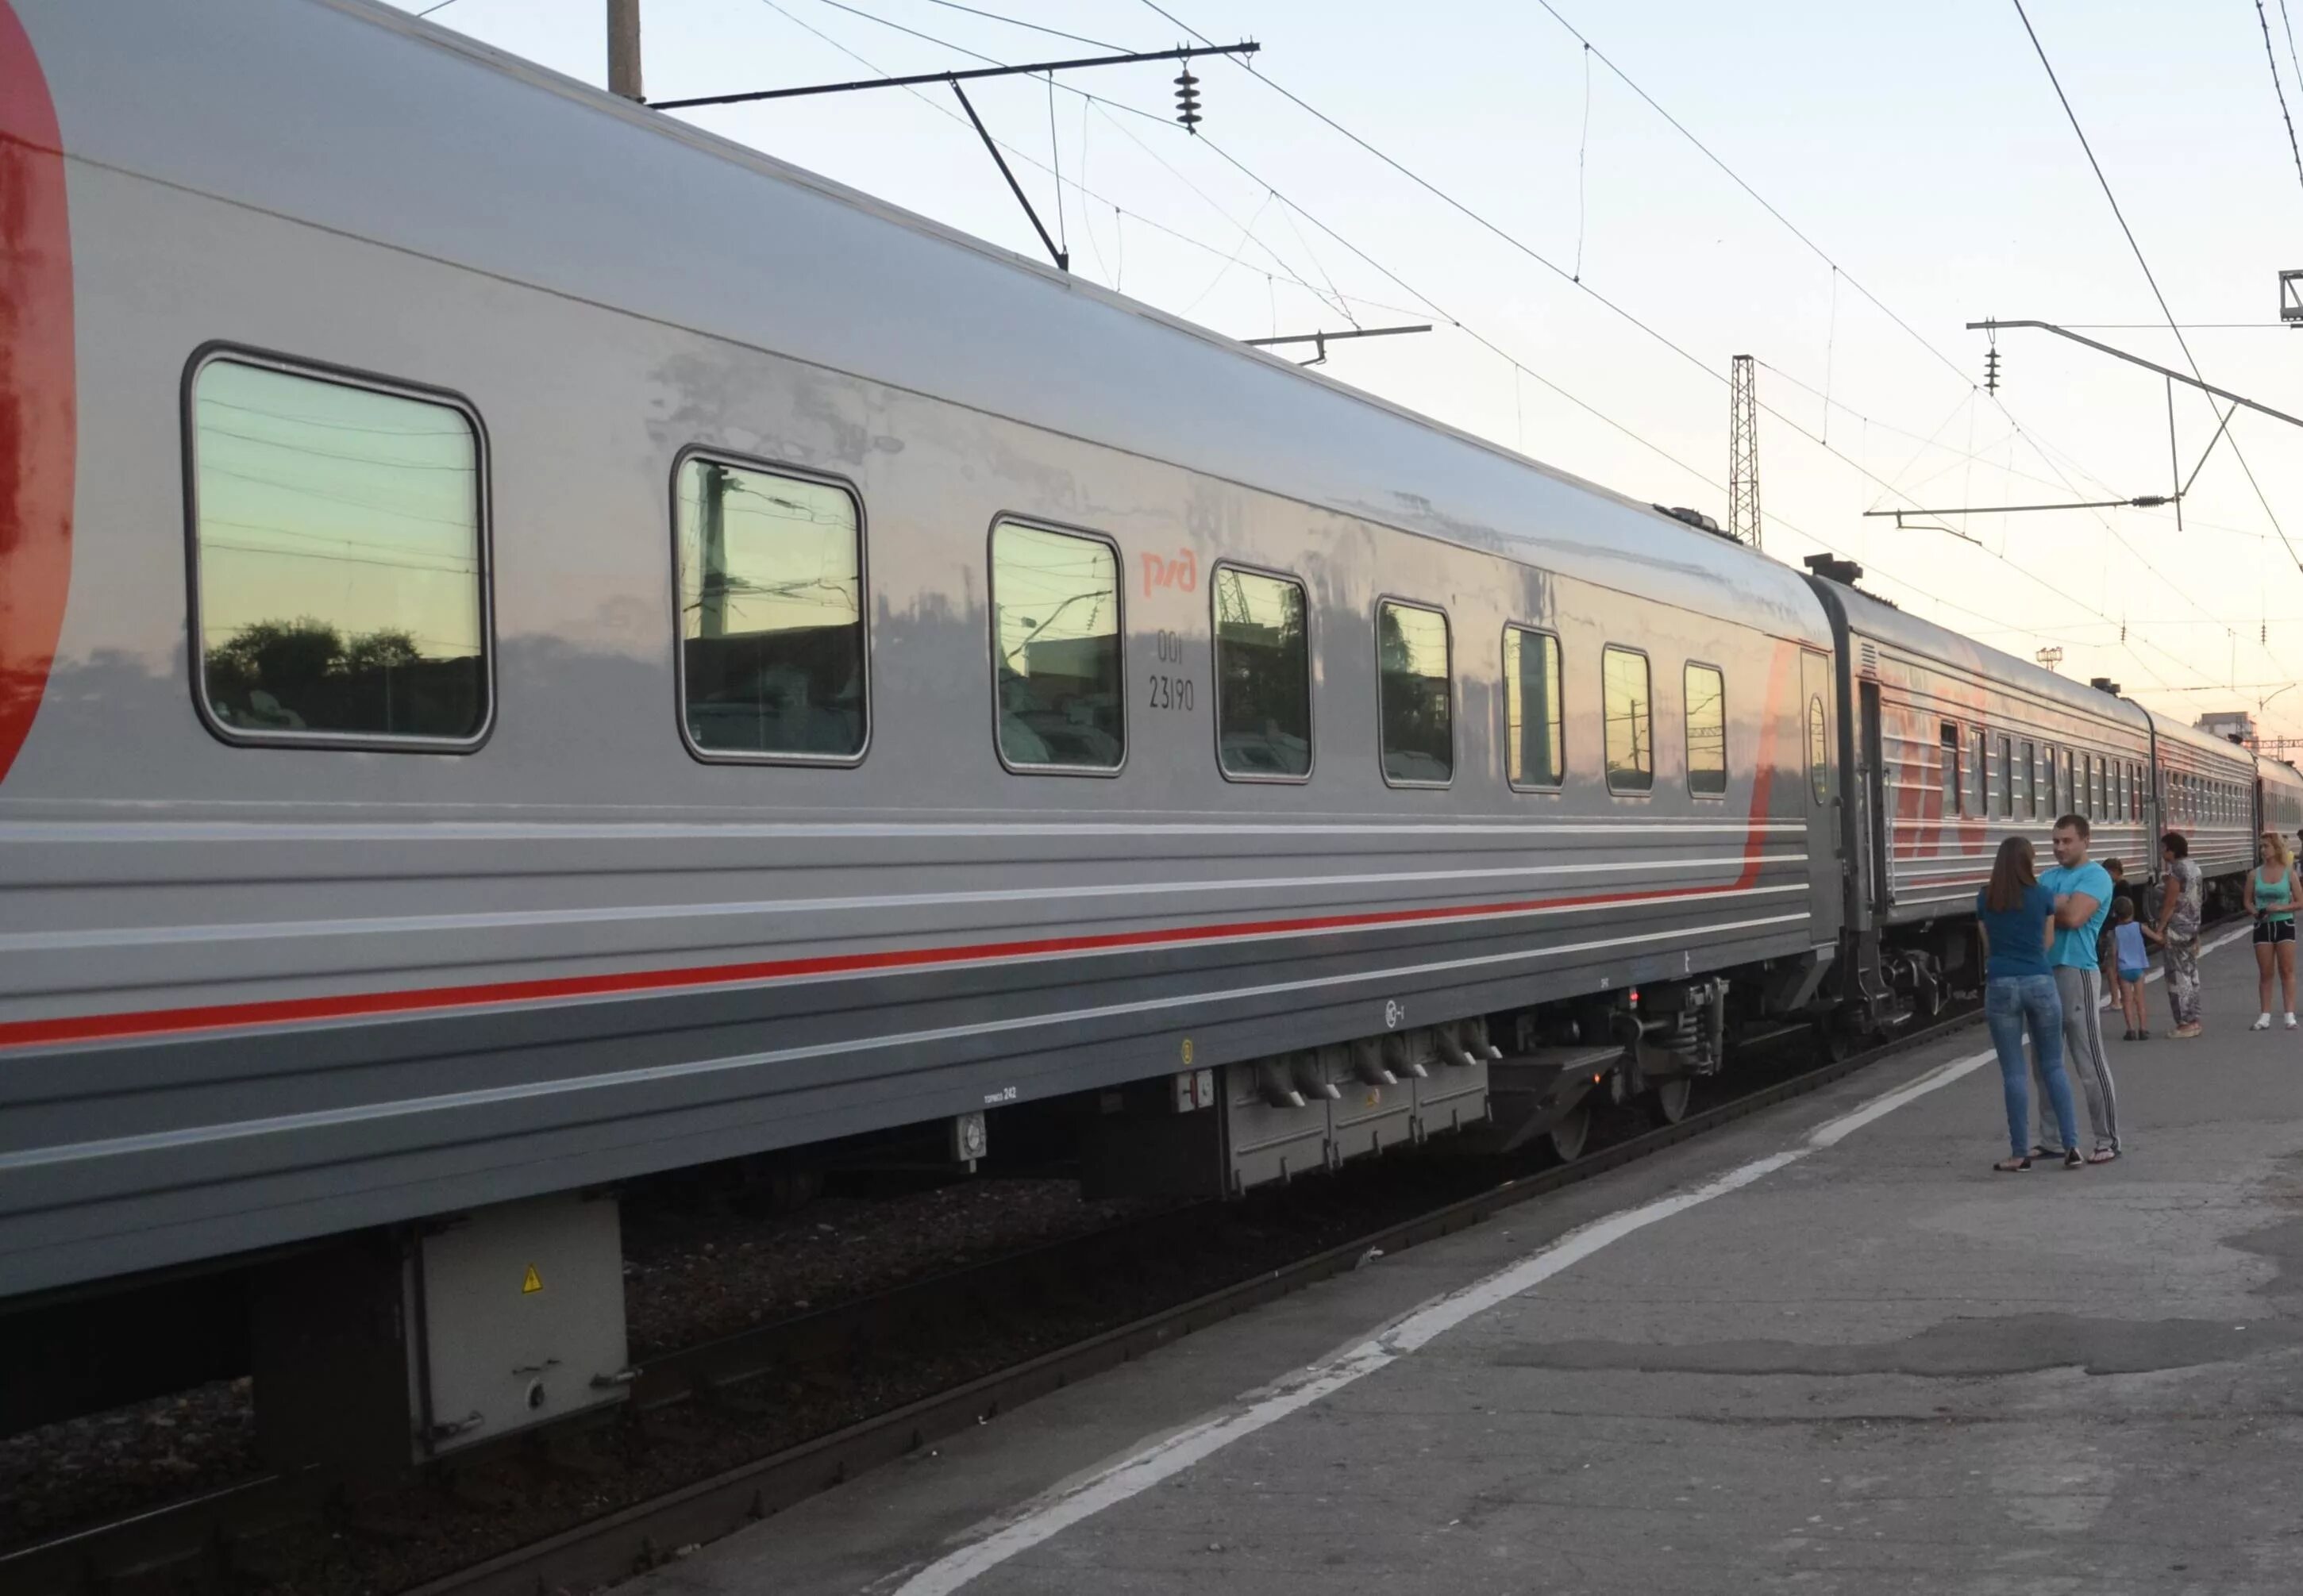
(2062, 945)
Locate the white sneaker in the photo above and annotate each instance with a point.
(2290, 1021)
(2262, 1022)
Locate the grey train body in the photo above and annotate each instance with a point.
(263, 988)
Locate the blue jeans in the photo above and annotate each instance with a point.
(2010, 1002)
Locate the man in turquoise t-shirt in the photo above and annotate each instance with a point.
(2082, 890)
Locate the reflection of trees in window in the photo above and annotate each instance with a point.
(1947, 774)
(1706, 731)
(771, 613)
(338, 557)
(1630, 735)
(1263, 676)
(305, 676)
(1055, 625)
(1532, 735)
(1417, 726)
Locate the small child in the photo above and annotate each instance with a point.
(2133, 961)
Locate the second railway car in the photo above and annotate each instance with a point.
(1950, 747)
(2279, 798)
(2207, 789)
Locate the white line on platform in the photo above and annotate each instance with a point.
(1067, 1506)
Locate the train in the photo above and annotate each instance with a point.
(541, 648)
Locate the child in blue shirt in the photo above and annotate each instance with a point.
(2126, 938)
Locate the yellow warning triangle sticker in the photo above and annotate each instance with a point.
(534, 1282)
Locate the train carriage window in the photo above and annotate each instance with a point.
(1263, 677)
(1948, 773)
(2002, 779)
(1533, 753)
(340, 573)
(1056, 640)
(2101, 799)
(1630, 731)
(1706, 731)
(2027, 777)
(1415, 690)
(1978, 789)
(1819, 750)
(771, 595)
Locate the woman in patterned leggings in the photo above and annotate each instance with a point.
(2178, 931)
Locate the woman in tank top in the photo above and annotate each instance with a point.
(2271, 899)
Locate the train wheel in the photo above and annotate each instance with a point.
(1568, 1135)
(1671, 1099)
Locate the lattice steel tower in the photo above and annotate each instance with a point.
(1743, 455)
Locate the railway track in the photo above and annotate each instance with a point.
(227, 1539)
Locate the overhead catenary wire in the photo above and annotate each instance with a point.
(1286, 276)
(2280, 89)
(1635, 320)
(1298, 280)
(2165, 310)
(1287, 269)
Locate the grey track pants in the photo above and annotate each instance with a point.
(2083, 1058)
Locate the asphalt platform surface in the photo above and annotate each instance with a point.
(1825, 1349)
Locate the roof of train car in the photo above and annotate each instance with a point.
(2241, 760)
(436, 143)
(1872, 617)
(2279, 773)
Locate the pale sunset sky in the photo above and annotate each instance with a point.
(1920, 148)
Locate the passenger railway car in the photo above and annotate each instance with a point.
(503, 704)
(2208, 790)
(1951, 747)
(498, 705)
(2279, 798)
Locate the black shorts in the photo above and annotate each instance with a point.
(2275, 930)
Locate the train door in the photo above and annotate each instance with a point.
(1816, 724)
(1878, 815)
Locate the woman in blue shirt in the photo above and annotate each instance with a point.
(2017, 916)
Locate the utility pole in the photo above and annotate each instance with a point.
(624, 48)
(1743, 453)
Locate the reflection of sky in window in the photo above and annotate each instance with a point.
(354, 507)
(790, 549)
(1422, 642)
(1048, 587)
(1707, 718)
(1265, 601)
(1625, 676)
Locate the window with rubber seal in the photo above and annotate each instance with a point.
(1263, 677)
(1706, 731)
(339, 559)
(771, 613)
(1628, 724)
(1416, 698)
(1535, 755)
(1056, 641)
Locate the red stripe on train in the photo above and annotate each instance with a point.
(36, 387)
(96, 1028)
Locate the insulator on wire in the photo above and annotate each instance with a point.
(1187, 100)
(1991, 371)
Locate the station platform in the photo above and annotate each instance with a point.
(1825, 1348)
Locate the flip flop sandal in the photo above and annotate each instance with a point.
(2011, 1166)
